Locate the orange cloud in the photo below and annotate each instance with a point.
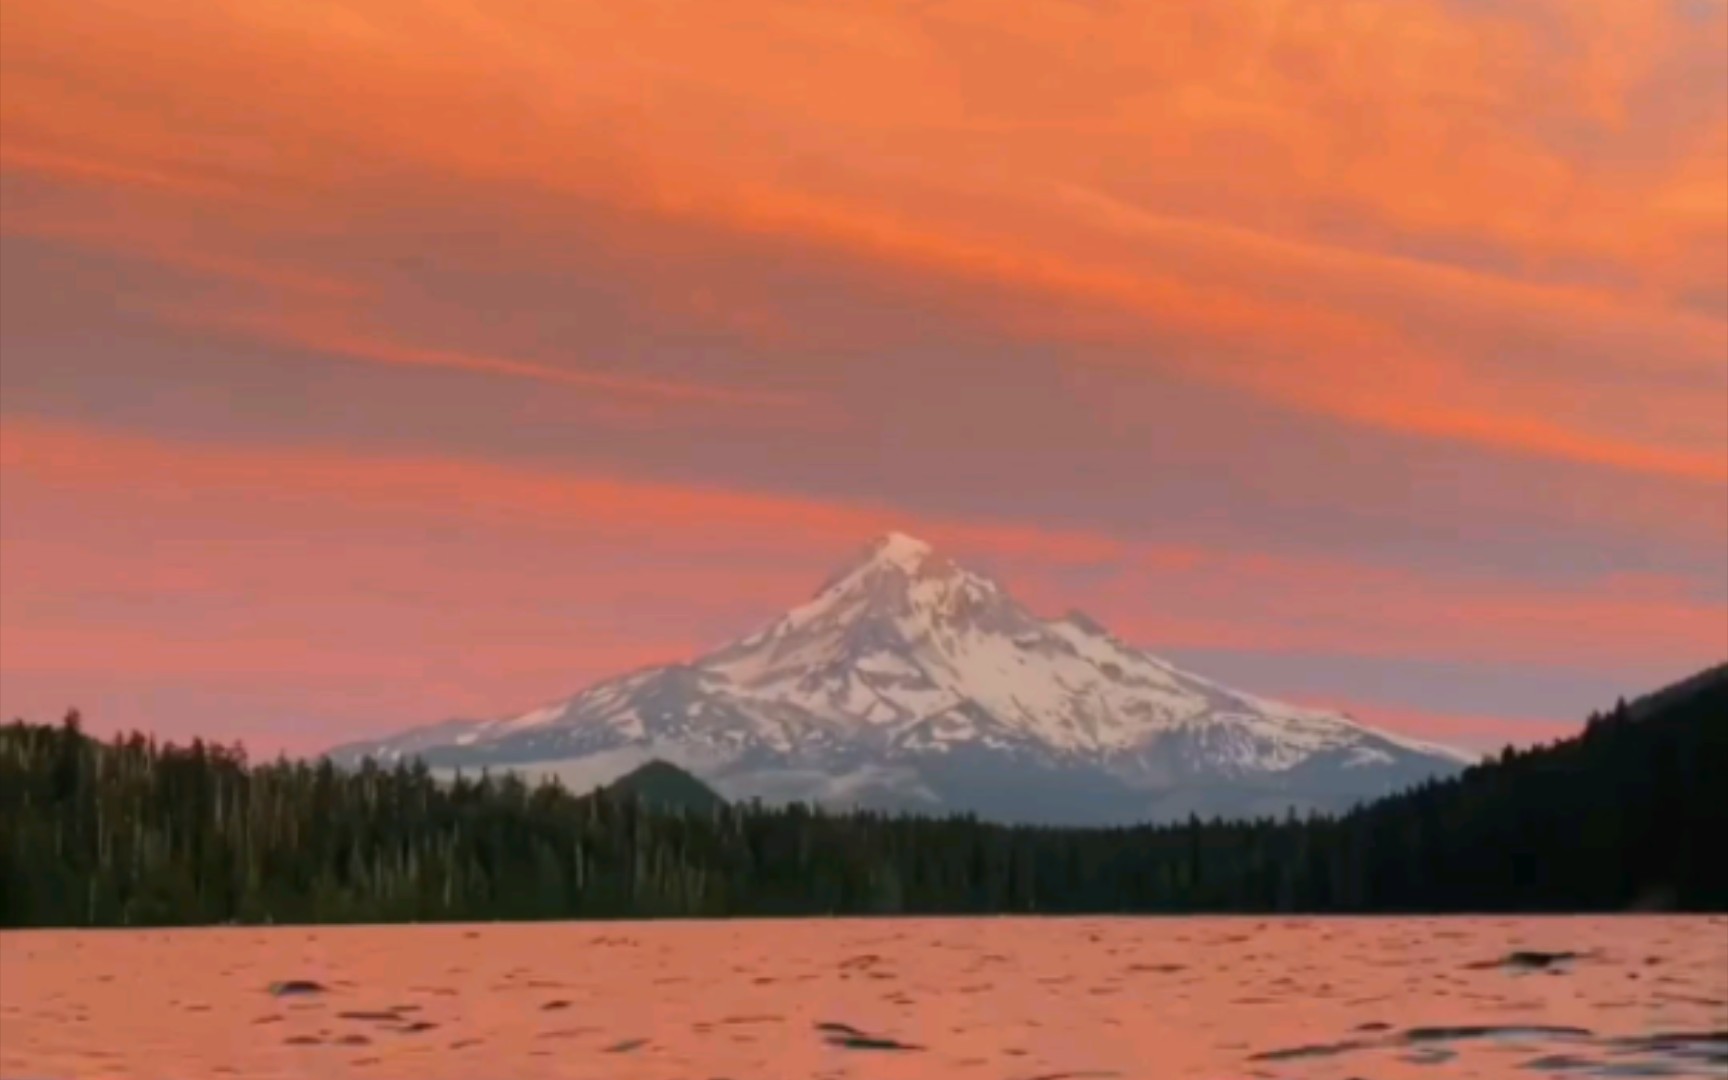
(1402, 150)
(1433, 127)
(1356, 368)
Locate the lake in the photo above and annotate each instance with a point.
(956, 999)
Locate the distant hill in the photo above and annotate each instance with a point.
(1631, 813)
(665, 786)
(1678, 693)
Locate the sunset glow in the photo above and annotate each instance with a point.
(370, 362)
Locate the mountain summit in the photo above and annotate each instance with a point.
(910, 682)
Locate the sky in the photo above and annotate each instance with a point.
(365, 364)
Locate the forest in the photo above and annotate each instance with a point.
(1630, 814)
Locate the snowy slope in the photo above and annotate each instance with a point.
(908, 681)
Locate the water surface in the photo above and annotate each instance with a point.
(963, 999)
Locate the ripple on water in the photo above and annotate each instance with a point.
(1586, 1054)
(848, 1037)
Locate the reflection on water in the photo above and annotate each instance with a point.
(991, 999)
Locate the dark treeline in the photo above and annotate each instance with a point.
(1632, 813)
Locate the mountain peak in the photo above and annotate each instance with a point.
(899, 549)
(893, 555)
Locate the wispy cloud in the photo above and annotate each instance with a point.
(320, 338)
(171, 253)
(98, 172)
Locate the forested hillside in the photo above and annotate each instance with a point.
(658, 785)
(1630, 814)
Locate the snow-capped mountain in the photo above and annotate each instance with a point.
(909, 682)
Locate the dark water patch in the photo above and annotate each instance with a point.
(1161, 969)
(1561, 1063)
(1707, 1038)
(297, 988)
(848, 1037)
(1374, 1025)
(1091, 1074)
(553, 1006)
(460, 1044)
(415, 1027)
(1313, 1050)
(1527, 960)
(378, 1015)
(1688, 999)
(1430, 1055)
(1696, 1047)
(1490, 1031)
(626, 1046)
(303, 1040)
(354, 1040)
(567, 1033)
(270, 1019)
(761, 1018)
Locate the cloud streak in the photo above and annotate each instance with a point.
(314, 337)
